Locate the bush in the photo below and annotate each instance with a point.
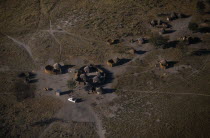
(183, 48)
(159, 41)
(200, 7)
(71, 84)
(193, 27)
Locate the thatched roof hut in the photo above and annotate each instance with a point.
(87, 69)
(141, 40)
(96, 79)
(49, 69)
(99, 90)
(83, 77)
(132, 51)
(163, 64)
(110, 63)
(57, 66)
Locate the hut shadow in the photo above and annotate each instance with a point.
(65, 68)
(146, 41)
(47, 122)
(185, 16)
(123, 61)
(66, 92)
(169, 31)
(172, 63)
(108, 90)
(140, 52)
(195, 40)
(33, 81)
(201, 52)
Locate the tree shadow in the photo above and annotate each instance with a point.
(64, 69)
(204, 30)
(201, 52)
(23, 91)
(30, 75)
(172, 44)
(195, 40)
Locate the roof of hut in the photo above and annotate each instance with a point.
(57, 66)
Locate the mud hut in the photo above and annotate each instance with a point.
(141, 40)
(153, 23)
(168, 19)
(112, 41)
(96, 79)
(111, 63)
(99, 90)
(58, 93)
(87, 69)
(84, 77)
(49, 69)
(132, 51)
(57, 67)
(163, 64)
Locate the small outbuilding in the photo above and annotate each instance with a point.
(58, 93)
(163, 64)
(99, 90)
(132, 51)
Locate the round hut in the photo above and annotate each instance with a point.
(99, 90)
(83, 77)
(87, 69)
(57, 67)
(49, 69)
(163, 64)
(96, 79)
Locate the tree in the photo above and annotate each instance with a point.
(193, 27)
(159, 41)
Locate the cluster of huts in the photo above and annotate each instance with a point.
(55, 69)
(164, 25)
(92, 77)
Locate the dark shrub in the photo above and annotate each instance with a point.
(193, 27)
(159, 41)
(200, 6)
(71, 84)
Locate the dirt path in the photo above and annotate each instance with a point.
(21, 45)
